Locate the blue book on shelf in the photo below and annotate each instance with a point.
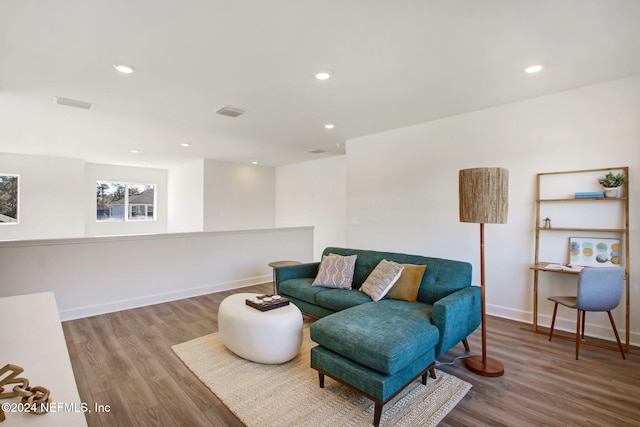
(588, 194)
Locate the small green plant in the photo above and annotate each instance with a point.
(612, 180)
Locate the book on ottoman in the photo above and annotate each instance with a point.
(267, 302)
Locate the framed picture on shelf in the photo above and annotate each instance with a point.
(594, 252)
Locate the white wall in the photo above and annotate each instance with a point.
(186, 198)
(402, 187)
(98, 172)
(57, 197)
(90, 276)
(314, 193)
(50, 197)
(238, 196)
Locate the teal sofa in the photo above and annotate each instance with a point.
(378, 348)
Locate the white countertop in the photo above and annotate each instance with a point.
(31, 337)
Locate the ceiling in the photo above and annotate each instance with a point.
(393, 64)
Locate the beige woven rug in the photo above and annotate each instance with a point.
(289, 395)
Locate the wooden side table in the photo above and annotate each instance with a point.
(275, 264)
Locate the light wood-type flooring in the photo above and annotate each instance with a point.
(125, 360)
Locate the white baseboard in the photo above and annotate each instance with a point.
(110, 307)
(563, 324)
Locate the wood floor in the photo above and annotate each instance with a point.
(125, 360)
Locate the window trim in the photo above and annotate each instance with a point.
(17, 219)
(126, 206)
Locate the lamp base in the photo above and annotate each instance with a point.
(491, 367)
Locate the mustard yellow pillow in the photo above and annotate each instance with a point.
(406, 288)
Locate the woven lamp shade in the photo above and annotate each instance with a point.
(484, 195)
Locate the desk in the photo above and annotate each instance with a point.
(543, 267)
(31, 337)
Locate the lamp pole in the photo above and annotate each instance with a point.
(484, 365)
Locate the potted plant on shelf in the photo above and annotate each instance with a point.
(612, 183)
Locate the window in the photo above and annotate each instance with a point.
(125, 202)
(8, 199)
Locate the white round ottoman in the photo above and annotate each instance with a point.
(269, 337)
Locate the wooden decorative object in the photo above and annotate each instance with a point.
(37, 398)
(14, 371)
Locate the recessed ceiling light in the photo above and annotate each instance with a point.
(144, 162)
(322, 75)
(533, 69)
(254, 163)
(185, 144)
(134, 151)
(329, 126)
(124, 69)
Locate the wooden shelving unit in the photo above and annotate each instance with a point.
(622, 232)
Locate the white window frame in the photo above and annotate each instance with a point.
(127, 208)
(17, 219)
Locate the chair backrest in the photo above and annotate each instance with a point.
(600, 288)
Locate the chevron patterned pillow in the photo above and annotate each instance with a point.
(336, 271)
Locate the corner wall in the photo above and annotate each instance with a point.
(50, 197)
(185, 202)
(314, 193)
(402, 187)
(98, 172)
(238, 196)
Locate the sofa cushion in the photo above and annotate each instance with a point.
(385, 336)
(381, 279)
(336, 272)
(300, 289)
(441, 278)
(407, 286)
(308, 309)
(374, 383)
(341, 299)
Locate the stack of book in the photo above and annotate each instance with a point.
(589, 194)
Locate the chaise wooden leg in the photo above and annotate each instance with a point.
(615, 331)
(553, 321)
(466, 345)
(377, 414)
(431, 372)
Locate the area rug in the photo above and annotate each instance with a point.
(289, 394)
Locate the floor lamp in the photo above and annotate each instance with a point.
(484, 199)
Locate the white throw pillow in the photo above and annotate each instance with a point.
(381, 279)
(336, 271)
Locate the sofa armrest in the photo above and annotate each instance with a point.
(457, 315)
(296, 271)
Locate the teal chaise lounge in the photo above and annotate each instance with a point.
(380, 347)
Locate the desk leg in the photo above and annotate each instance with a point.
(535, 301)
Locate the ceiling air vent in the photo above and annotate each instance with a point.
(317, 151)
(73, 103)
(229, 111)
